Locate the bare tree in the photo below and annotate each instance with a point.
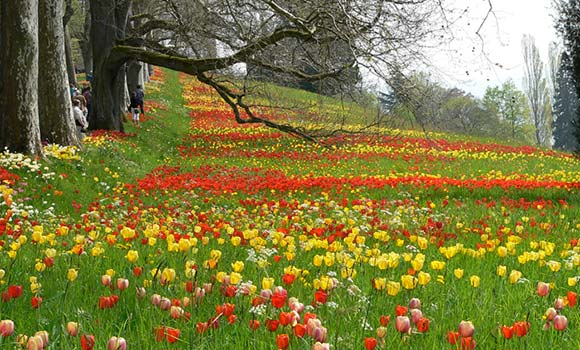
(536, 90)
(281, 36)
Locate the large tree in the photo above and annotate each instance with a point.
(536, 90)
(567, 122)
(56, 119)
(380, 35)
(511, 107)
(567, 25)
(19, 123)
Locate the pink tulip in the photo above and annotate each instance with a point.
(266, 294)
(176, 312)
(72, 328)
(416, 314)
(312, 324)
(6, 328)
(34, 343)
(165, 303)
(403, 324)
(415, 303)
(466, 329)
(122, 283)
(542, 289)
(106, 280)
(44, 336)
(156, 299)
(560, 322)
(559, 304)
(321, 346)
(319, 334)
(117, 344)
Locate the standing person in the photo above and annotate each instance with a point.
(88, 96)
(80, 120)
(134, 108)
(140, 95)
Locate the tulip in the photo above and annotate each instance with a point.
(175, 312)
(6, 328)
(117, 343)
(559, 304)
(416, 314)
(44, 336)
(319, 334)
(321, 346)
(381, 332)
(72, 328)
(122, 283)
(560, 322)
(106, 280)
(542, 289)
(156, 299)
(415, 303)
(550, 314)
(87, 342)
(34, 343)
(140, 292)
(572, 297)
(423, 324)
(370, 343)
(466, 329)
(403, 324)
(164, 304)
(282, 340)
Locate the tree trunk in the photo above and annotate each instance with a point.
(70, 63)
(57, 123)
(19, 125)
(85, 42)
(109, 75)
(134, 75)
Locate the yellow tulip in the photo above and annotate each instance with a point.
(514, 276)
(423, 278)
(267, 283)
(408, 281)
(458, 273)
(393, 288)
(474, 280)
(72, 274)
(132, 256)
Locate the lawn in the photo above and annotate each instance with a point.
(194, 232)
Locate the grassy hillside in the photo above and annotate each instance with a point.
(194, 232)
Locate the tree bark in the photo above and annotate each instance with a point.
(134, 75)
(108, 23)
(85, 42)
(19, 125)
(57, 123)
(70, 64)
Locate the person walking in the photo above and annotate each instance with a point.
(140, 95)
(134, 108)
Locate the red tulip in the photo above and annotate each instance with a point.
(36, 302)
(507, 331)
(254, 324)
(299, 330)
(282, 340)
(172, 334)
(572, 297)
(521, 328)
(272, 325)
(278, 300)
(14, 291)
(384, 320)
(320, 296)
(452, 337)
(370, 343)
(401, 310)
(87, 342)
(423, 324)
(468, 343)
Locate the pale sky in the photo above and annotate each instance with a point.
(467, 64)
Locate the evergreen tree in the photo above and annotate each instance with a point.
(565, 108)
